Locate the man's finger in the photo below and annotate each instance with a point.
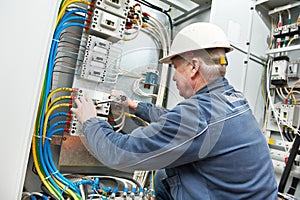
(89, 100)
(78, 103)
(74, 110)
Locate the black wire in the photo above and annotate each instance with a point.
(293, 186)
(289, 164)
(34, 170)
(290, 134)
(286, 135)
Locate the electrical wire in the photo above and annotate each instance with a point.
(276, 114)
(65, 5)
(280, 93)
(60, 99)
(137, 118)
(56, 91)
(53, 182)
(41, 160)
(166, 12)
(136, 89)
(60, 180)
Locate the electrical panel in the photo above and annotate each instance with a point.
(86, 60)
(282, 86)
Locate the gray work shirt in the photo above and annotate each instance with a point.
(210, 145)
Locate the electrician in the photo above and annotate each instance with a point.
(210, 144)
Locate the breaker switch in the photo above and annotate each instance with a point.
(279, 70)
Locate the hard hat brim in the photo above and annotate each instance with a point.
(168, 59)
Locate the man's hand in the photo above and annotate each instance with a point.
(121, 98)
(85, 109)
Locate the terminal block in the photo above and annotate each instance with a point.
(294, 28)
(107, 25)
(102, 104)
(116, 7)
(95, 59)
(279, 70)
(277, 32)
(290, 114)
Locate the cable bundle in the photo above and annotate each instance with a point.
(52, 179)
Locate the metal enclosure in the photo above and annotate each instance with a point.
(25, 47)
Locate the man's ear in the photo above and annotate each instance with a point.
(196, 64)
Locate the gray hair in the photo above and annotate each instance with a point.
(211, 69)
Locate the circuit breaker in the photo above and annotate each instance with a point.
(279, 70)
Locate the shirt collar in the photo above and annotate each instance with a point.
(217, 85)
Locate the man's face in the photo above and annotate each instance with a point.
(182, 77)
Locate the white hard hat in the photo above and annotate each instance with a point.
(200, 35)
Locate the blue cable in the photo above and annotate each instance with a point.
(48, 77)
(63, 22)
(133, 190)
(51, 166)
(59, 114)
(32, 197)
(67, 14)
(106, 189)
(55, 125)
(55, 171)
(45, 197)
(114, 192)
(83, 182)
(95, 187)
(53, 51)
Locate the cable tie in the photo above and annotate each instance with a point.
(46, 178)
(40, 137)
(55, 40)
(64, 189)
(47, 138)
(55, 172)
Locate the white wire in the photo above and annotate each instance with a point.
(148, 30)
(121, 115)
(165, 31)
(121, 124)
(123, 72)
(280, 94)
(161, 36)
(136, 89)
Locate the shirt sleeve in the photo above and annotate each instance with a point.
(149, 112)
(169, 141)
